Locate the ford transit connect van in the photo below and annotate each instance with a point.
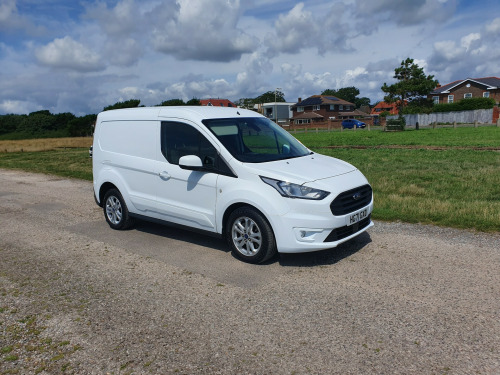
(228, 171)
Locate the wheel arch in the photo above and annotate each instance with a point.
(105, 187)
(229, 210)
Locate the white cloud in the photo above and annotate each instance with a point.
(494, 26)
(18, 106)
(202, 30)
(300, 29)
(406, 13)
(468, 40)
(12, 21)
(117, 21)
(68, 54)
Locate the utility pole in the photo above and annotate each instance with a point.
(276, 105)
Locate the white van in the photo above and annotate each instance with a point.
(228, 171)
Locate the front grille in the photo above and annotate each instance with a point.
(343, 232)
(351, 200)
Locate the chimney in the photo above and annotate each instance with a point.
(300, 99)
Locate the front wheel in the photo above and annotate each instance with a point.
(250, 236)
(115, 210)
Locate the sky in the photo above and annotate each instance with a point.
(80, 56)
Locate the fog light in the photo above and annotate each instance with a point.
(307, 234)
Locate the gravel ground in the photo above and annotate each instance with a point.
(77, 297)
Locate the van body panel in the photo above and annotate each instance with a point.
(298, 170)
(186, 197)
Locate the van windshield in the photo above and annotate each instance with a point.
(255, 139)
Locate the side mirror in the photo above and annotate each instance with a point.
(191, 162)
(286, 149)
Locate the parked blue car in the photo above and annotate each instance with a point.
(350, 123)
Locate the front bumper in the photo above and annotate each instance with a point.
(297, 232)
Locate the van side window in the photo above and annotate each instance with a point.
(178, 140)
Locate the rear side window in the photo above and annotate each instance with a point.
(179, 139)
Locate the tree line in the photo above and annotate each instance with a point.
(43, 124)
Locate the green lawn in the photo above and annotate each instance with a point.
(456, 186)
(487, 136)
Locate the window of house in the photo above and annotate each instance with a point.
(332, 107)
(303, 121)
(316, 107)
(435, 99)
(341, 107)
(450, 98)
(300, 109)
(468, 95)
(486, 94)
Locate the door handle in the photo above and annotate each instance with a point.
(164, 175)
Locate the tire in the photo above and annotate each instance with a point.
(116, 211)
(249, 236)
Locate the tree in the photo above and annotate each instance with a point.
(270, 96)
(349, 94)
(132, 103)
(172, 102)
(364, 101)
(412, 85)
(193, 101)
(81, 126)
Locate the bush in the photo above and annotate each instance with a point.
(396, 124)
(465, 105)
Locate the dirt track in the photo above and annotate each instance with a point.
(77, 297)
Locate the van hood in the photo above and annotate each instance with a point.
(303, 169)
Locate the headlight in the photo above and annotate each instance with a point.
(290, 190)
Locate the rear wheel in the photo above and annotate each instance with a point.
(250, 236)
(115, 210)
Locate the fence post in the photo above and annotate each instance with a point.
(454, 124)
(498, 123)
(475, 123)
(305, 129)
(368, 126)
(434, 125)
(316, 130)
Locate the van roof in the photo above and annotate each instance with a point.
(193, 113)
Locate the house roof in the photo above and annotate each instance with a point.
(322, 99)
(307, 115)
(356, 112)
(217, 102)
(390, 107)
(491, 83)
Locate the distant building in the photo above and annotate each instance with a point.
(279, 112)
(320, 108)
(385, 107)
(217, 102)
(488, 87)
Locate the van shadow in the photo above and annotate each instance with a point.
(326, 257)
(178, 233)
(311, 259)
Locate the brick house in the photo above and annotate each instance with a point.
(488, 87)
(217, 102)
(385, 107)
(320, 108)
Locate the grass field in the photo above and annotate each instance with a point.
(447, 177)
(44, 144)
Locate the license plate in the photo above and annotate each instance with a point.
(355, 217)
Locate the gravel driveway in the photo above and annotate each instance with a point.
(78, 297)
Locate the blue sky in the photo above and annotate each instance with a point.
(80, 56)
